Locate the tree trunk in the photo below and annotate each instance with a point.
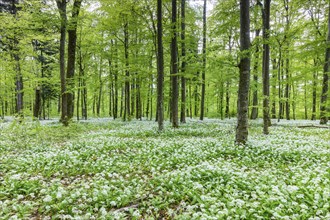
(274, 64)
(183, 64)
(325, 84)
(99, 97)
(244, 74)
(227, 110)
(174, 67)
(265, 66)
(72, 45)
(287, 62)
(254, 112)
(279, 71)
(314, 96)
(127, 113)
(37, 103)
(19, 85)
(204, 63)
(62, 10)
(115, 103)
(160, 68)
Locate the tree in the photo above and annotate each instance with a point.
(265, 65)
(325, 84)
(204, 63)
(174, 67)
(160, 67)
(13, 48)
(67, 82)
(183, 62)
(61, 5)
(72, 45)
(244, 74)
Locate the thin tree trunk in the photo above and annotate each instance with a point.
(254, 112)
(115, 107)
(183, 63)
(127, 113)
(204, 63)
(325, 84)
(174, 67)
(190, 100)
(279, 70)
(314, 96)
(287, 62)
(227, 111)
(274, 89)
(265, 66)
(99, 97)
(19, 85)
(78, 97)
(160, 68)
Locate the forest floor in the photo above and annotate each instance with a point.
(105, 169)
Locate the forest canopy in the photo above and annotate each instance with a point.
(99, 59)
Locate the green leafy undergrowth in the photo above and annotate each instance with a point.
(128, 170)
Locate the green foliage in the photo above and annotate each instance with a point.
(110, 169)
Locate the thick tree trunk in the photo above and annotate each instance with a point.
(61, 4)
(174, 67)
(325, 84)
(265, 66)
(204, 63)
(72, 45)
(244, 73)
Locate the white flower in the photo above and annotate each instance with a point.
(292, 189)
(48, 198)
(136, 213)
(303, 206)
(103, 211)
(15, 177)
(300, 196)
(59, 195)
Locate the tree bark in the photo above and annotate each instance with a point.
(160, 68)
(61, 4)
(183, 63)
(244, 74)
(127, 112)
(314, 96)
(204, 63)
(325, 84)
(254, 112)
(174, 67)
(265, 66)
(37, 103)
(72, 45)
